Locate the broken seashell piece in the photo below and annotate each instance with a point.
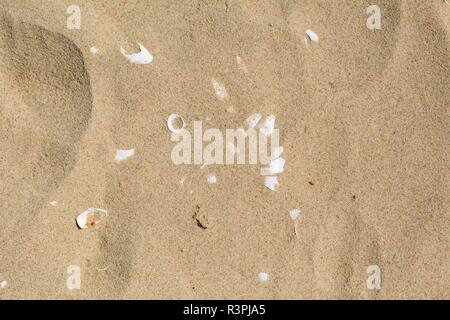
(142, 57)
(172, 118)
(253, 120)
(90, 217)
(294, 213)
(262, 276)
(212, 179)
(268, 125)
(271, 182)
(312, 35)
(276, 166)
(296, 229)
(122, 155)
(220, 90)
(276, 152)
(3, 284)
(241, 64)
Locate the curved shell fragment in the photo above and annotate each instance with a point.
(312, 35)
(220, 90)
(212, 179)
(275, 167)
(271, 182)
(89, 218)
(122, 155)
(142, 57)
(268, 125)
(170, 123)
(253, 120)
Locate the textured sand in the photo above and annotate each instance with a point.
(364, 120)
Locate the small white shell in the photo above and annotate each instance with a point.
(262, 276)
(53, 203)
(122, 155)
(271, 182)
(220, 90)
(268, 125)
(142, 57)
(294, 213)
(212, 179)
(276, 166)
(170, 121)
(312, 35)
(90, 217)
(94, 50)
(3, 284)
(253, 120)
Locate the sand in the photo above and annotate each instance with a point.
(363, 118)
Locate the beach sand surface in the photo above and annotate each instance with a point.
(363, 118)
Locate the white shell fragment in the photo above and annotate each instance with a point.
(271, 182)
(142, 57)
(90, 217)
(220, 90)
(172, 118)
(294, 213)
(94, 50)
(53, 203)
(268, 125)
(312, 35)
(122, 155)
(212, 179)
(241, 64)
(253, 120)
(297, 234)
(262, 276)
(3, 284)
(277, 152)
(276, 166)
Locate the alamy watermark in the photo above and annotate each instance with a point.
(73, 281)
(74, 18)
(374, 20)
(373, 277)
(232, 146)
